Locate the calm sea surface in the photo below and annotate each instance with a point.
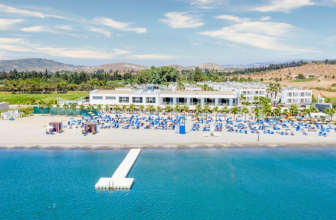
(235, 183)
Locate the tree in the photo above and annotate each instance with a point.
(285, 112)
(150, 108)
(245, 111)
(124, 108)
(206, 109)
(57, 107)
(73, 108)
(256, 111)
(158, 109)
(225, 110)
(116, 108)
(107, 107)
(132, 108)
(267, 110)
(41, 104)
(185, 108)
(49, 105)
(65, 107)
(180, 86)
(330, 112)
(177, 109)
(141, 108)
(99, 107)
(168, 108)
(198, 75)
(294, 109)
(277, 111)
(216, 109)
(241, 98)
(81, 107)
(234, 111)
(198, 109)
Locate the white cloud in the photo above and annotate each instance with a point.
(266, 18)
(205, 4)
(232, 18)
(100, 31)
(39, 29)
(181, 20)
(21, 45)
(64, 27)
(23, 12)
(151, 57)
(284, 5)
(118, 25)
(6, 24)
(265, 35)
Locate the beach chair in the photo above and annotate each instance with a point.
(282, 133)
(320, 133)
(265, 132)
(245, 132)
(324, 134)
(85, 134)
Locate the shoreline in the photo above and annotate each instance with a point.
(164, 146)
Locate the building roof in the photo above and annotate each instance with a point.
(113, 92)
(198, 92)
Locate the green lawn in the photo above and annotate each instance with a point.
(304, 80)
(24, 98)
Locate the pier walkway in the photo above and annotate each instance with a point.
(119, 180)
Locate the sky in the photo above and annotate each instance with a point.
(164, 32)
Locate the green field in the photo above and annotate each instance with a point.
(24, 98)
(304, 80)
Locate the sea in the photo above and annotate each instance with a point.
(215, 183)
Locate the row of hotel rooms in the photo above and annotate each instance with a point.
(225, 94)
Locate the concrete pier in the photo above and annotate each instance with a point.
(119, 180)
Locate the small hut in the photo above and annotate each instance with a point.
(57, 126)
(90, 127)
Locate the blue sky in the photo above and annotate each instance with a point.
(163, 32)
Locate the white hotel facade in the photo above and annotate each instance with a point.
(227, 94)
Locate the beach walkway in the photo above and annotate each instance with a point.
(119, 180)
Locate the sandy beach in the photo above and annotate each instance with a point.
(30, 133)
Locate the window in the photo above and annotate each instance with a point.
(302, 94)
(123, 99)
(167, 100)
(110, 98)
(150, 100)
(97, 97)
(137, 99)
(223, 101)
(195, 101)
(181, 100)
(308, 94)
(209, 101)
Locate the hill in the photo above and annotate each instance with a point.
(210, 66)
(36, 64)
(180, 68)
(117, 66)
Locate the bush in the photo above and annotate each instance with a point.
(333, 85)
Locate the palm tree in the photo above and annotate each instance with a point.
(99, 107)
(49, 105)
(141, 108)
(168, 108)
(294, 109)
(225, 110)
(73, 108)
(81, 107)
(177, 109)
(234, 111)
(150, 108)
(216, 109)
(285, 112)
(277, 111)
(124, 108)
(241, 98)
(65, 107)
(198, 109)
(256, 99)
(41, 104)
(245, 111)
(107, 107)
(116, 108)
(58, 107)
(267, 110)
(330, 111)
(158, 109)
(180, 86)
(185, 108)
(206, 109)
(132, 108)
(256, 111)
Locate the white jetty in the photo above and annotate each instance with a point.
(119, 180)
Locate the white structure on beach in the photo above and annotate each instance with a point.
(224, 94)
(153, 95)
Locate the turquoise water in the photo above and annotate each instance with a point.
(235, 183)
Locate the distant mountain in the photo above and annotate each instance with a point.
(210, 66)
(241, 66)
(180, 68)
(36, 64)
(116, 66)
